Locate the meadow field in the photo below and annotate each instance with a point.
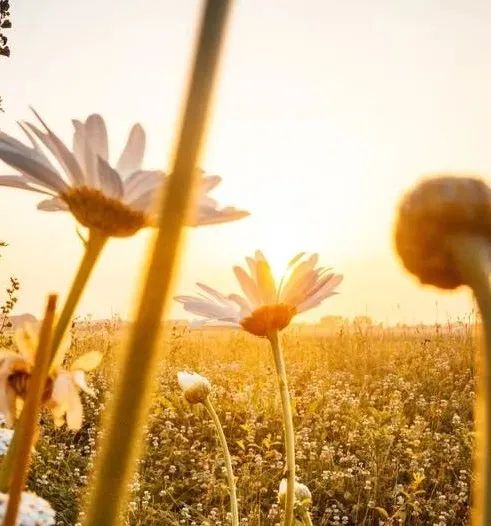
(383, 428)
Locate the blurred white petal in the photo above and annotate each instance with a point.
(132, 156)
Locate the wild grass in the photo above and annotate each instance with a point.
(383, 420)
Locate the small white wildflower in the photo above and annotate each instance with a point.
(5, 439)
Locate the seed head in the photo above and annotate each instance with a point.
(430, 215)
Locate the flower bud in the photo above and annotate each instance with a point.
(430, 214)
(195, 387)
(303, 497)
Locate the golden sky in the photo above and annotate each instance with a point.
(325, 112)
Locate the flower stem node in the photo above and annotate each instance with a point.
(195, 387)
(430, 215)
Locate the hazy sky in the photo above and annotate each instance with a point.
(325, 112)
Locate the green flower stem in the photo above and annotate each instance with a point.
(472, 257)
(93, 250)
(306, 518)
(13, 480)
(288, 426)
(123, 427)
(228, 461)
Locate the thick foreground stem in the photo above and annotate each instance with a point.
(472, 257)
(15, 479)
(228, 462)
(93, 249)
(124, 425)
(288, 426)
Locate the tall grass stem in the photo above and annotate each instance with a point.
(128, 410)
(29, 419)
(279, 361)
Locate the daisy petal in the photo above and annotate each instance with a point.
(132, 157)
(55, 204)
(265, 283)
(64, 156)
(212, 216)
(248, 286)
(75, 411)
(96, 135)
(87, 362)
(31, 165)
(78, 146)
(81, 381)
(111, 183)
(18, 181)
(208, 182)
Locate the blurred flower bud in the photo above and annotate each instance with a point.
(195, 387)
(303, 497)
(430, 214)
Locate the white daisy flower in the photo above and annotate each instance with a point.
(195, 387)
(15, 371)
(63, 386)
(265, 306)
(116, 200)
(33, 510)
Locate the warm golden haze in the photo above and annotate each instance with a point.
(332, 135)
(347, 422)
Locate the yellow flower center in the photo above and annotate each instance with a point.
(268, 318)
(95, 210)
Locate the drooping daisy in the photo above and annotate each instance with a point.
(15, 371)
(61, 393)
(265, 306)
(33, 510)
(195, 387)
(114, 200)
